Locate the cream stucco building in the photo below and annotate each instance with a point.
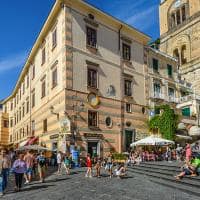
(180, 36)
(83, 83)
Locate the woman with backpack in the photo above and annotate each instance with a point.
(41, 166)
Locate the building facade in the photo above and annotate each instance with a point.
(180, 36)
(162, 79)
(83, 84)
(4, 128)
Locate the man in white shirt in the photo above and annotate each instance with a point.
(59, 161)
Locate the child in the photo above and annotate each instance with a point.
(89, 166)
(67, 162)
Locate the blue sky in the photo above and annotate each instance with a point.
(21, 21)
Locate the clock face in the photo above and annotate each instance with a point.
(93, 99)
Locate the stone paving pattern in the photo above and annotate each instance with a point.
(77, 187)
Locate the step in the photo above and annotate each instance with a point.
(164, 164)
(188, 182)
(187, 189)
(159, 167)
(163, 171)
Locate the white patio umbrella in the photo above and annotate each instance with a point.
(152, 141)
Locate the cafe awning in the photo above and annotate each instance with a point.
(32, 141)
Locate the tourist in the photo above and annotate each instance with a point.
(97, 163)
(19, 168)
(168, 154)
(110, 164)
(59, 161)
(41, 166)
(29, 160)
(34, 165)
(5, 164)
(188, 152)
(178, 152)
(67, 163)
(120, 172)
(187, 169)
(89, 166)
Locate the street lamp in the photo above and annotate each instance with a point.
(54, 113)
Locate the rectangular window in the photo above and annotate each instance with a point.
(128, 88)
(23, 110)
(157, 111)
(186, 112)
(33, 127)
(11, 106)
(91, 37)
(169, 70)
(5, 123)
(43, 56)
(11, 123)
(54, 78)
(157, 89)
(92, 119)
(128, 108)
(126, 51)
(54, 38)
(23, 87)
(43, 94)
(20, 94)
(171, 92)
(20, 114)
(27, 82)
(33, 99)
(92, 78)
(27, 130)
(155, 65)
(33, 72)
(45, 125)
(27, 105)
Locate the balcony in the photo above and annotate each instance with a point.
(172, 99)
(157, 95)
(189, 98)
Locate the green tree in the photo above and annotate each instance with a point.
(166, 122)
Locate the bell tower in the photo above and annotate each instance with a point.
(180, 36)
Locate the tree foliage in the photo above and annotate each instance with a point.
(166, 122)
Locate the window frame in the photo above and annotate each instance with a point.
(92, 78)
(93, 115)
(91, 37)
(126, 51)
(54, 38)
(54, 80)
(128, 91)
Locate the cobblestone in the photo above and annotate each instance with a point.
(77, 187)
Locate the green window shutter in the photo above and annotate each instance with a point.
(155, 64)
(186, 112)
(169, 70)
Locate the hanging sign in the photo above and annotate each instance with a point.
(65, 126)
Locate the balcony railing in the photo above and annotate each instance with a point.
(189, 98)
(157, 95)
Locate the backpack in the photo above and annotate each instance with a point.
(41, 161)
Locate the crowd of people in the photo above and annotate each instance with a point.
(168, 154)
(27, 166)
(23, 166)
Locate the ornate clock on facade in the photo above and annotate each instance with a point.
(93, 99)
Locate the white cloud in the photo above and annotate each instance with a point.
(13, 61)
(143, 19)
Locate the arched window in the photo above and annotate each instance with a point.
(173, 20)
(183, 55)
(183, 11)
(176, 55)
(178, 17)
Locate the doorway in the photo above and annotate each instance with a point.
(93, 149)
(129, 139)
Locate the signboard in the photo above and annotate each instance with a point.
(54, 136)
(93, 135)
(65, 126)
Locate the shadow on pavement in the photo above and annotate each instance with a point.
(56, 180)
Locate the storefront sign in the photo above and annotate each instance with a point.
(65, 126)
(93, 135)
(54, 136)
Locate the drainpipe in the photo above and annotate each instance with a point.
(119, 40)
(121, 96)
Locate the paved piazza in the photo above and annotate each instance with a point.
(76, 186)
